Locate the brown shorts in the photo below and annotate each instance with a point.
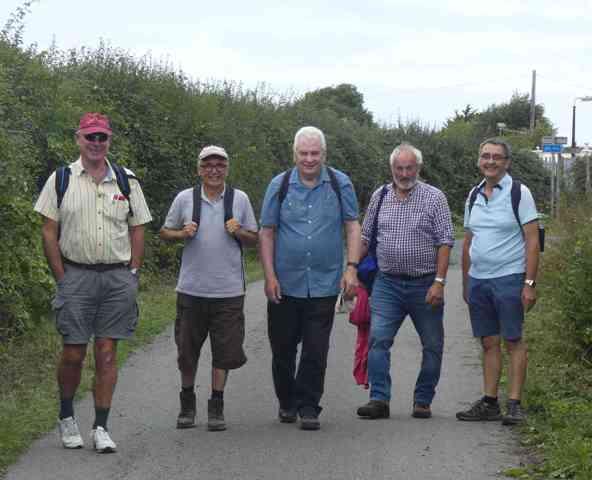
(222, 318)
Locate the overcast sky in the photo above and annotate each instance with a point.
(411, 59)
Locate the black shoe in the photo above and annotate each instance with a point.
(216, 421)
(186, 418)
(374, 409)
(309, 419)
(421, 411)
(481, 411)
(287, 415)
(515, 414)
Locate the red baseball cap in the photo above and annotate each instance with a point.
(93, 123)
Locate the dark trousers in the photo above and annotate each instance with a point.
(295, 320)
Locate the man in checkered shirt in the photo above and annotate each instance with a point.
(414, 238)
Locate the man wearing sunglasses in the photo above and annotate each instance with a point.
(94, 246)
(211, 285)
(499, 264)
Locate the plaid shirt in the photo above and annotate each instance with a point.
(410, 230)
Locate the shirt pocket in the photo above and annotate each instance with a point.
(293, 210)
(117, 207)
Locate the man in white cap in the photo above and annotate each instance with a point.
(215, 221)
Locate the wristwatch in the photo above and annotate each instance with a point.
(530, 283)
(440, 280)
(352, 264)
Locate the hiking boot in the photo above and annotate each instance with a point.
(309, 419)
(287, 415)
(69, 433)
(216, 415)
(374, 409)
(481, 411)
(515, 414)
(101, 441)
(186, 418)
(421, 411)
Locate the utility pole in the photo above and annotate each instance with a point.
(558, 188)
(533, 102)
(553, 182)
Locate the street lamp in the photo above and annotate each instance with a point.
(573, 121)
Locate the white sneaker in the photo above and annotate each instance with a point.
(69, 433)
(102, 441)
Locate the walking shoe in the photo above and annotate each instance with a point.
(69, 433)
(421, 411)
(102, 442)
(480, 411)
(186, 418)
(375, 409)
(309, 419)
(287, 415)
(515, 414)
(216, 415)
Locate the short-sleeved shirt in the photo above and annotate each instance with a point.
(498, 247)
(211, 265)
(94, 218)
(309, 233)
(410, 230)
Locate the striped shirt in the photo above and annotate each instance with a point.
(410, 230)
(94, 219)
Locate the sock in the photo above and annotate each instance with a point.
(490, 400)
(101, 415)
(188, 389)
(219, 394)
(66, 408)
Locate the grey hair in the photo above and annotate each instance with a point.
(406, 147)
(311, 132)
(498, 141)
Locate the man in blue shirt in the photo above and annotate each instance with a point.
(302, 254)
(499, 263)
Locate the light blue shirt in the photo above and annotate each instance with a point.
(309, 233)
(498, 247)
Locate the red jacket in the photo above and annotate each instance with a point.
(360, 316)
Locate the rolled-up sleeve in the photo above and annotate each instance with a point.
(443, 222)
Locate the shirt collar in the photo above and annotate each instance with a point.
(78, 169)
(323, 177)
(205, 197)
(501, 185)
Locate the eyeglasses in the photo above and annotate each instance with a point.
(96, 137)
(219, 167)
(496, 157)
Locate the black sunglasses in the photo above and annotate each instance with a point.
(96, 137)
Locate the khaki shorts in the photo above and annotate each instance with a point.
(222, 318)
(91, 303)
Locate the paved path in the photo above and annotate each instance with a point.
(256, 446)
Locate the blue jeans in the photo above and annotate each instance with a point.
(394, 298)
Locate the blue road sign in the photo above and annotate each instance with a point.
(552, 148)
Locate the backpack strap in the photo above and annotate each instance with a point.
(473, 196)
(196, 215)
(228, 201)
(283, 191)
(122, 178)
(62, 179)
(373, 236)
(335, 185)
(516, 194)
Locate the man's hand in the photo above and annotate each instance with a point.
(232, 226)
(435, 295)
(272, 290)
(189, 230)
(528, 298)
(349, 283)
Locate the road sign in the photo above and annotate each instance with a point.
(560, 140)
(551, 148)
(548, 140)
(572, 150)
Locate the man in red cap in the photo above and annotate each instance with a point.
(93, 237)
